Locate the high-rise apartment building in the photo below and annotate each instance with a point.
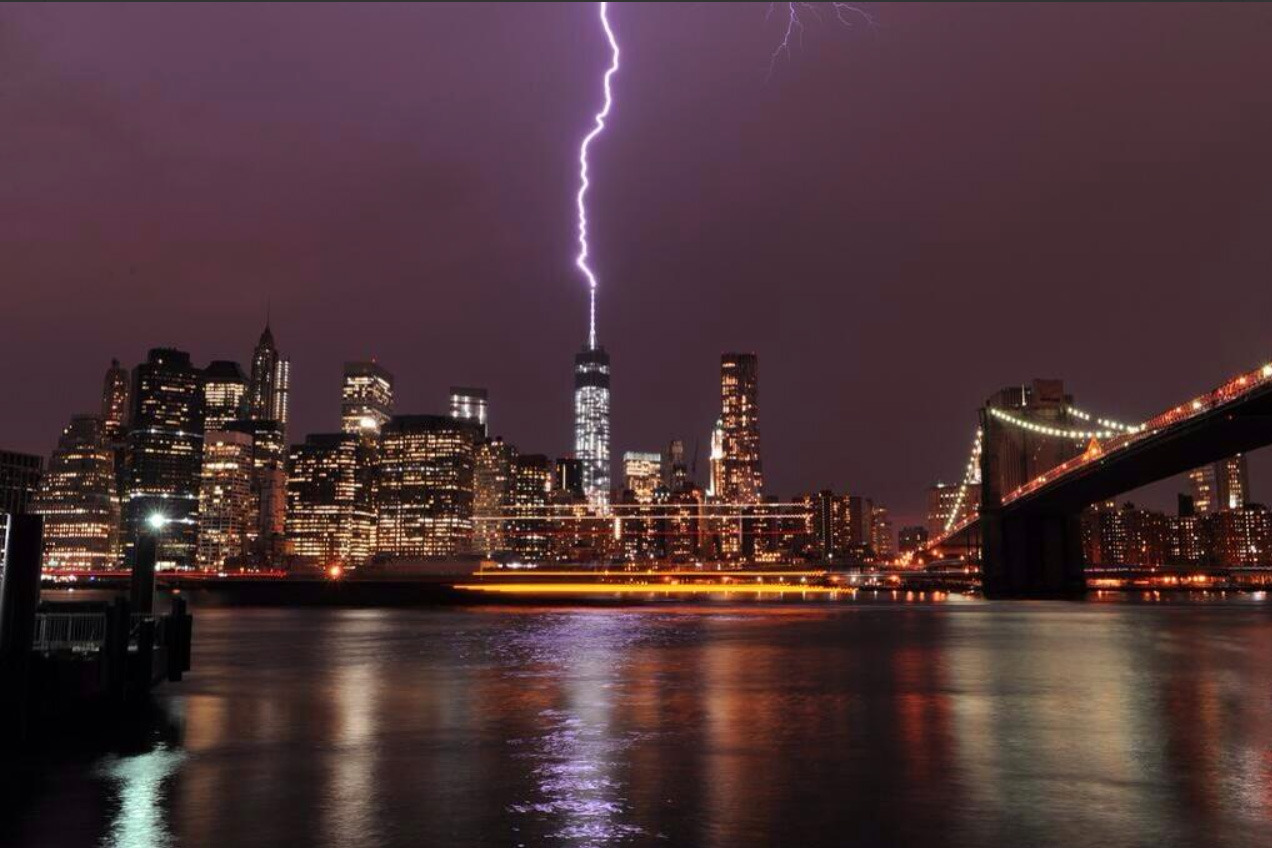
(592, 421)
(366, 399)
(329, 510)
(1220, 485)
(425, 489)
(164, 455)
(881, 540)
(79, 500)
(741, 469)
(945, 501)
(227, 517)
(224, 394)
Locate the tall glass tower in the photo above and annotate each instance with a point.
(592, 421)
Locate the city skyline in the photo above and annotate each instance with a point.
(848, 361)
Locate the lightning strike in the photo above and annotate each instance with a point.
(599, 127)
(846, 14)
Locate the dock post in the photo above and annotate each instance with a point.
(118, 625)
(19, 597)
(142, 585)
(177, 632)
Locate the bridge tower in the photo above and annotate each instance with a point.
(1025, 554)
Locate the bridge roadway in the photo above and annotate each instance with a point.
(1030, 538)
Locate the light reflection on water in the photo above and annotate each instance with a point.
(139, 779)
(1041, 724)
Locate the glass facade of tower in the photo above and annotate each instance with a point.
(366, 399)
(79, 500)
(425, 487)
(164, 455)
(741, 472)
(226, 519)
(468, 403)
(592, 421)
(224, 394)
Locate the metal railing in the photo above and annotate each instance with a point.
(73, 631)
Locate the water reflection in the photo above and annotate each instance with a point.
(139, 820)
(575, 757)
(749, 725)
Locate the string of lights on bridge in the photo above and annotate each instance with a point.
(1111, 428)
(971, 476)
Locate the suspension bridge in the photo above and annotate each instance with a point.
(1028, 537)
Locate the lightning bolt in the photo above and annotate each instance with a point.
(845, 13)
(599, 127)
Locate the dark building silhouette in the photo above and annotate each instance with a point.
(164, 455)
(269, 384)
(114, 406)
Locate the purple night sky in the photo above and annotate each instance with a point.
(897, 224)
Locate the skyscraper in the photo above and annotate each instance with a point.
(881, 540)
(715, 482)
(224, 394)
(528, 532)
(114, 411)
(164, 454)
(269, 386)
(468, 403)
(366, 399)
(226, 508)
(329, 511)
(79, 500)
(425, 494)
(492, 495)
(269, 488)
(19, 477)
(741, 470)
(1220, 485)
(592, 421)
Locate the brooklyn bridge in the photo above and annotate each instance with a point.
(1030, 476)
